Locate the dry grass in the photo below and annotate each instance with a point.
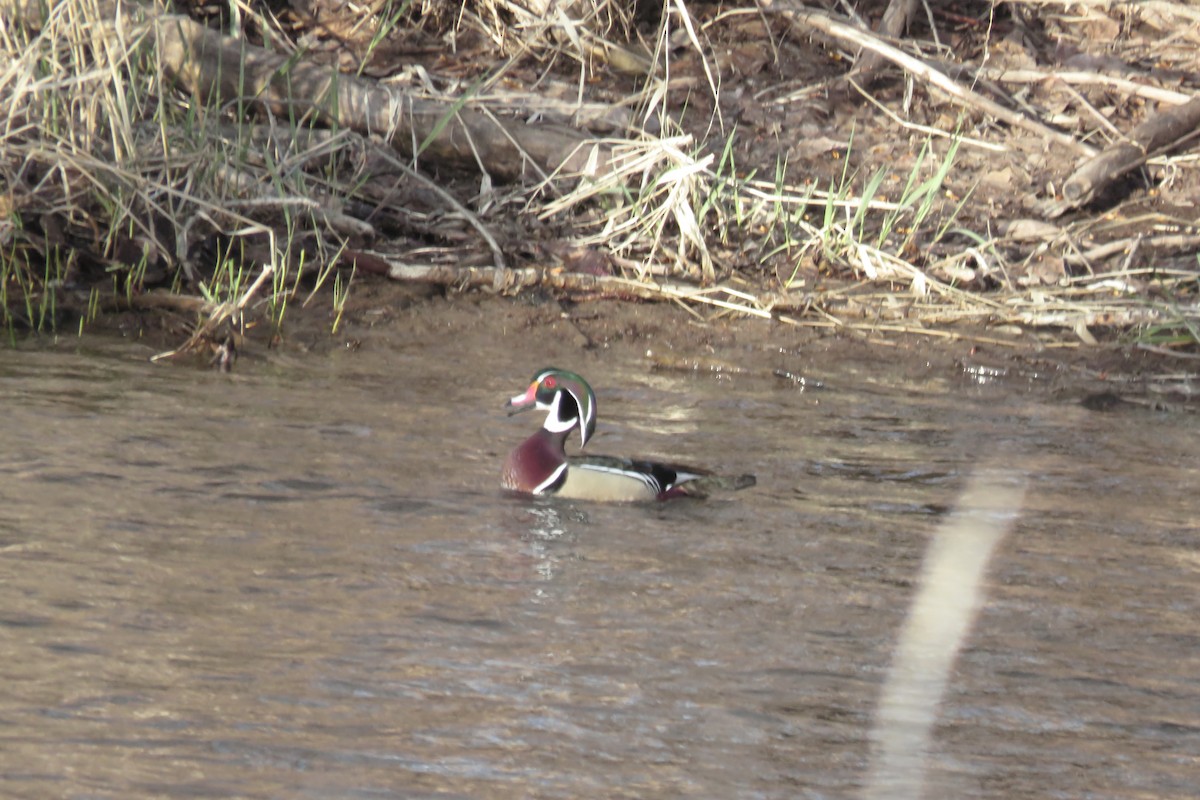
(116, 183)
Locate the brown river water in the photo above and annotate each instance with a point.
(301, 581)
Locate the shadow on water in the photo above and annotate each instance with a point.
(303, 582)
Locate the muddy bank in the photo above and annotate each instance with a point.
(384, 315)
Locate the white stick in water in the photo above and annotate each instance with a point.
(938, 622)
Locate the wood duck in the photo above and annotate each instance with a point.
(541, 466)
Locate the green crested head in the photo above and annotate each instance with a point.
(566, 396)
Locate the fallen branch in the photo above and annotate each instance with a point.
(1160, 133)
(220, 70)
(513, 281)
(1069, 309)
(1077, 78)
(1171, 242)
(808, 20)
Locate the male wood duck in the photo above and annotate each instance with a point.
(541, 466)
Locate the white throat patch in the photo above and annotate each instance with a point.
(554, 423)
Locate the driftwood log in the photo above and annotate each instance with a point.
(1160, 133)
(219, 69)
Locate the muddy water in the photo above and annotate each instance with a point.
(300, 581)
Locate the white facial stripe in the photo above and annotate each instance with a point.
(553, 423)
(589, 420)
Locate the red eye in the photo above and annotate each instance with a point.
(549, 382)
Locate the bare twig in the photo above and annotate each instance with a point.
(1132, 88)
(812, 20)
(497, 254)
(926, 129)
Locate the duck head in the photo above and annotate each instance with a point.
(567, 399)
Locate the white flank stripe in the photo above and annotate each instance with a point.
(541, 487)
(628, 473)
